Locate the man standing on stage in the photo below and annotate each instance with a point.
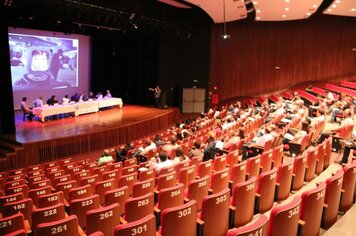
(156, 95)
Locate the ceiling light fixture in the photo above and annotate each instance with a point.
(225, 35)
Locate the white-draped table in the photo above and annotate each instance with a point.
(78, 108)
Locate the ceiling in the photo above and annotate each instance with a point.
(177, 16)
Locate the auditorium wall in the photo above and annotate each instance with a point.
(263, 57)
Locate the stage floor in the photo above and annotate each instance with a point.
(35, 131)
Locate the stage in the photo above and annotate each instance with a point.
(36, 142)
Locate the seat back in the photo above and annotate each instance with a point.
(277, 157)
(102, 186)
(284, 219)
(130, 162)
(23, 206)
(299, 166)
(171, 197)
(166, 170)
(320, 158)
(238, 173)
(61, 179)
(143, 227)
(128, 180)
(18, 189)
(111, 174)
(348, 187)
(119, 196)
(167, 180)
(143, 187)
(179, 220)
(65, 187)
(147, 174)
(266, 188)
(138, 207)
(266, 160)
(243, 199)
(79, 192)
(80, 207)
(311, 209)
(91, 180)
(216, 206)
(186, 174)
(205, 168)
(36, 178)
(258, 227)
(196, 160)
(284, 180)
(219, 180)
(50, 199)
(311, 164)
(181, 165)
(15, 183)
(41, 184)
(64, 227)
(253, 166)
(327, 150)
(45, 215)
(232, 157)
(12, 224)
(10, 198)
(35, 194)
(220, 163)
(332, 199)
(198, 189)
(103, 219)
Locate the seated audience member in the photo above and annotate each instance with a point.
(75, 97)
(108, 94)
(163, 162)
(209, 150)
(91, 95)
(106, 157)
(347, 145)
(26, 109)
(179, 156)
(121, 155)
(233, 139)
(142, 152)
(52, 100)
(196, 150)
(99, 96)
(38, 102)
(65, 99)
(296, 136)
(158, 141)
(170, 147)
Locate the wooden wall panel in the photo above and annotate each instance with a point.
(308, 50)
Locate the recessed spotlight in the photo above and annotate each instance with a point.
(258, 18)
(287, 9)
(58, 21)
(287, 0)
(353, 49)
(255, 3)
(258, 11)
(277, 67)
(308, 14)
(284, 16)
(334, 6)
(337, 1)
(330, 10)
(315, 6)
(353, 9)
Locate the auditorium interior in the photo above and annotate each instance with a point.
(251, 132)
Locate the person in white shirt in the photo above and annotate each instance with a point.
(99, 96)
(105, 158)
(163, 162)
(108, 94)
(65, 99)
(38, 102)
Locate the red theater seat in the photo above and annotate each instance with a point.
(311, 210)
(327, 149)
(166, 181)
(266, 160)
(299, 166)
(170, 197)
(348, 187)
(102, 186)
(18, 189)
(265, 190)
(253, 166)
(79, 192)
(50, 199)
(277, 158)
(185, 175)
(111, 174)
(64, 227)
(219, 181)
(145, 226)
(320, 159)
(104, 219)
(284, 181)
(332, 199)
(119, 196)
(284, 219)
(258, 227)
(219, 163)
(12, 224)
(180, 220)
(147, 174)
(65, 187)
(232, 158)
(35, 194)
(215, 213)
(237, 173)
(197, 190)
(128, 180)
(10, 198)
(45, 215)
(205, 168)
(79, 207)
(243, 202)
(311, 164)
(23, 206)
(138, 207)
(143, 187)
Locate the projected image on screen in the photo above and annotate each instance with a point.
(43, 62)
